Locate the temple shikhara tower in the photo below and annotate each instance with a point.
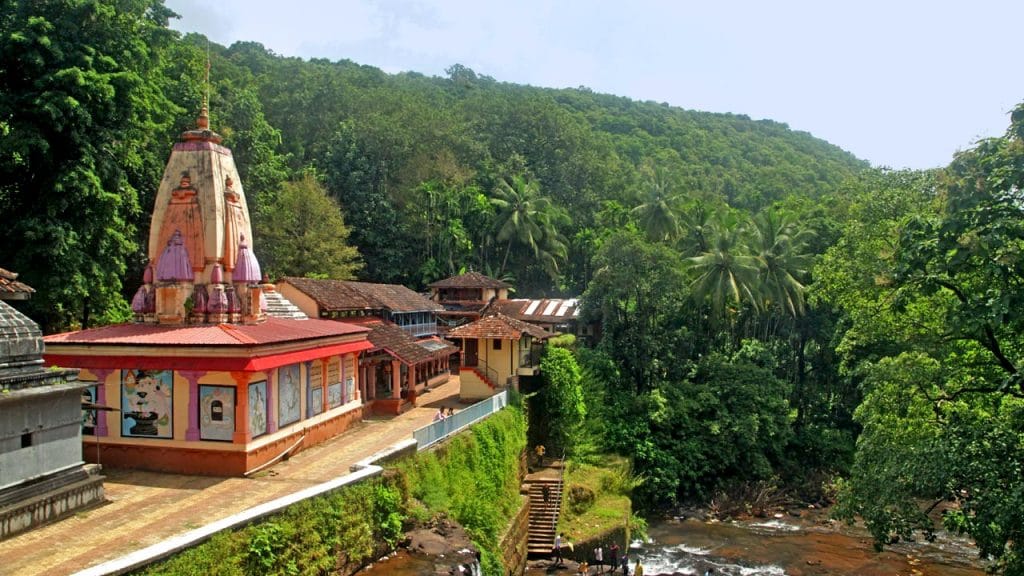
(201, 265)
(219, 374)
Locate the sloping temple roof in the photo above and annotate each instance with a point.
(470, 280)
(405, 347)
(336, 295)
(498, 327)
(11, 289)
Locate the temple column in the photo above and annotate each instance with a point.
(357, 376)
(272, 415)
(242, 434)
(341, 376)
(193, 376)
(323, 383)
(309, 389)
(396, 379)
(101, 399)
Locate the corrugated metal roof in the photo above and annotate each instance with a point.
(273, 331)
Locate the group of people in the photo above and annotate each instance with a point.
(441, 414)
(613, 562)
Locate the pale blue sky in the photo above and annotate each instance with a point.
(898, 83)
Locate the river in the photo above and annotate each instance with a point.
(795, 547)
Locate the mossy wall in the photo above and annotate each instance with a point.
(474, 479)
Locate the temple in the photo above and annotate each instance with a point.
(42, 475)
(218, 374)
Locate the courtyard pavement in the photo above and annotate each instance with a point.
(144, 508)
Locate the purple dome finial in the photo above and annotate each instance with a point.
(139, 301)
(217, 275)
(147, 276)
(247, 268)
(174, 264)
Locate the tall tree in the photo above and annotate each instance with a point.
(302, 233)
(725, 275)
(81, 102)
(659, 210)
(779, 247)
(526, 218)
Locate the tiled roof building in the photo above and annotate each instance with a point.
(406, 357)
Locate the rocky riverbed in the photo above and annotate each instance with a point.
(441, 548)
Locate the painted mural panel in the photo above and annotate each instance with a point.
(334, 395)
(288, 394)
(314, 389)
(316, 400)
(147, 403)
(216, 412)
(332, 371)
(258, 408)
(89, 416)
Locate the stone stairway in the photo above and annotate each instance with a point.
(280, 307)
(543, 515)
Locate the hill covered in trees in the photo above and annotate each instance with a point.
(431, 175)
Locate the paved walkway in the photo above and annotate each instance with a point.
(147, 507)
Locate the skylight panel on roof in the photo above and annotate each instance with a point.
(563, 308)
(532, 307)
(550, 308)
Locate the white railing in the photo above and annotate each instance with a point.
(441, 429)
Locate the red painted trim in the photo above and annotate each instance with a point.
(218, 364)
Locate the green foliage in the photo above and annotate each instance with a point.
(638, 296)
(474, 478)
(82, 115)
(727, 419)
(562, 401)
(313, 537)
(598, 499)
(926, 277)
(302, 233)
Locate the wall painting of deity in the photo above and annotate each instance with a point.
(258, 408)
(147, 403)
(289, 393)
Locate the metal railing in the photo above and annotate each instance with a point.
(489, 372)
(441, 429)
(561, 495)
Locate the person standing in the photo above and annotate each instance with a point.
(599, 558)
(638, 570)
(613, 557)
(625, 564)
(558, 549)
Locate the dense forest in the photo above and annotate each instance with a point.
(775, 313)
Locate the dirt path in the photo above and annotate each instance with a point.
(144, 508)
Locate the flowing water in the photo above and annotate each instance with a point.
(794, 547)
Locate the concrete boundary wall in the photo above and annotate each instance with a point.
(366, 468)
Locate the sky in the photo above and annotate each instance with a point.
(900, 83)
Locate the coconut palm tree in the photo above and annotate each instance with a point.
(659, 211)
(779, 246)
(526, 218)
(725, 273)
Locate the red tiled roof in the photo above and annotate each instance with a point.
(498, 327)
(332, 295)
(470, 280)
(11, 288)
(273, 331)
(405, 347)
